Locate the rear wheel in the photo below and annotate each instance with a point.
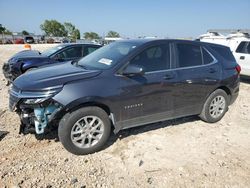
(85, 130)
(215, 106)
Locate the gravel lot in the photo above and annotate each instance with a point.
(180, 153)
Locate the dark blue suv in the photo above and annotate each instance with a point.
(30, 59)
(126, 84)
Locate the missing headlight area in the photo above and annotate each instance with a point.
(42, 116)
(35, 118)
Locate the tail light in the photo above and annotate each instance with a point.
(238, 69)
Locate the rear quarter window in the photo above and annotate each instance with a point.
(207, 58)
(224, 52)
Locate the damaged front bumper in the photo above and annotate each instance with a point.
(9, 73)
(37, 110)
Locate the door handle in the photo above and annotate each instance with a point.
(212, 70)
(242, 57)
(168, 77)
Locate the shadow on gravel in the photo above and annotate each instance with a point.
(149, 127)
(3, 134)
(245, 79)
(50, 135)
(53, 134)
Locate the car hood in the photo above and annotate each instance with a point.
(52, 76)
(27, 54)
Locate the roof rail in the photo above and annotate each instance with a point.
(229, 31)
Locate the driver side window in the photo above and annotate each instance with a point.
(155, 58)
(70, 53)
(244, 47)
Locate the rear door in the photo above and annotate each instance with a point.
(242, 56)
(197, 75)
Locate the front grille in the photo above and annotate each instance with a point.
(6, 67)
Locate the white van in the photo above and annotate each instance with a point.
(239, 43)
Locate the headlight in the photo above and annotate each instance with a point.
(34, 101)
(35, 97)
(40, 94)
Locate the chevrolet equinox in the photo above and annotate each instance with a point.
(126, 84)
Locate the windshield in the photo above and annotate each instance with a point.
(50, 51)
(107, 56)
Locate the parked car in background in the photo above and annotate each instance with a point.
(65, 40)
(126, 84)
(19, 41)
(29, 40)
(30, 59)
(50, 41)
(239, 44)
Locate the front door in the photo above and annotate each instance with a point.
(148, 98)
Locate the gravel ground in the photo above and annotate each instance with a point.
(179, 153)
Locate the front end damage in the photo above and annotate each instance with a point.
(37, 118)
(38, 112)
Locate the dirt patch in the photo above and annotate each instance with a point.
(179, 153)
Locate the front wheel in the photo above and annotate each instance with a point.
(215, 106)
(85, 130)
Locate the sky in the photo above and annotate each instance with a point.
(130, 18)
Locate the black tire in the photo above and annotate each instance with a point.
(67, 123)
(206, 115)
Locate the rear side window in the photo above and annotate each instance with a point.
(207, 58)
(244, 47)
(188, 55)
(224, 52)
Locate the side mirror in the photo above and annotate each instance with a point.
(131, 70)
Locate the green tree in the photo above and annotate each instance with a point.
(2, 28)
(53, 28)
(25, 32)
(69, 27)
(72, 31)
(113, 34)
(5, 31)
(91, 35)
(76, 34)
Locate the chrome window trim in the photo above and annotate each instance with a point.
(184, 68)
(190, 67)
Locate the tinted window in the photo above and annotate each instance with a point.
(207, 58)
(154, 58)
(90, 49)
(51, 51)
(68, 53)
(224, 52)
(242, 48)
(188, 55)
(248, 48)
